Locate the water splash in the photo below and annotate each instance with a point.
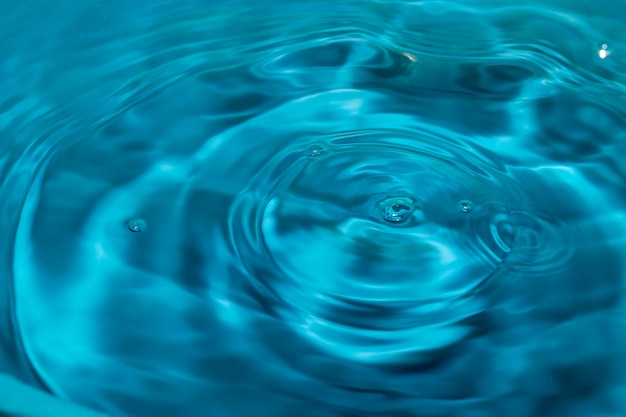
(397, 209)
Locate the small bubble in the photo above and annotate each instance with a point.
(136, 225)
(397, 209)
(465, 206)
(315, 150)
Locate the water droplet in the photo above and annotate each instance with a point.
(315, 150)
(397, 209)
(136, 225)
(465, 206)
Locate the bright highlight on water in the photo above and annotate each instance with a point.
(313, 208)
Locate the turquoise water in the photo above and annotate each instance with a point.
(313, 208)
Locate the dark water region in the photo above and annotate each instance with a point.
(313, 208)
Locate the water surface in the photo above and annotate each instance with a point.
(315, 208)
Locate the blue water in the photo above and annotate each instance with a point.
(313, 208)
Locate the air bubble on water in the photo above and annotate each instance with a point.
(315, 150)
(465, 206)
(136, 225)
(397, 209)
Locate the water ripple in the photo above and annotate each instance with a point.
(355, 209)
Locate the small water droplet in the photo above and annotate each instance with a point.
(465, 206)
(136, 225)
(397, 209)
(315, 150)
